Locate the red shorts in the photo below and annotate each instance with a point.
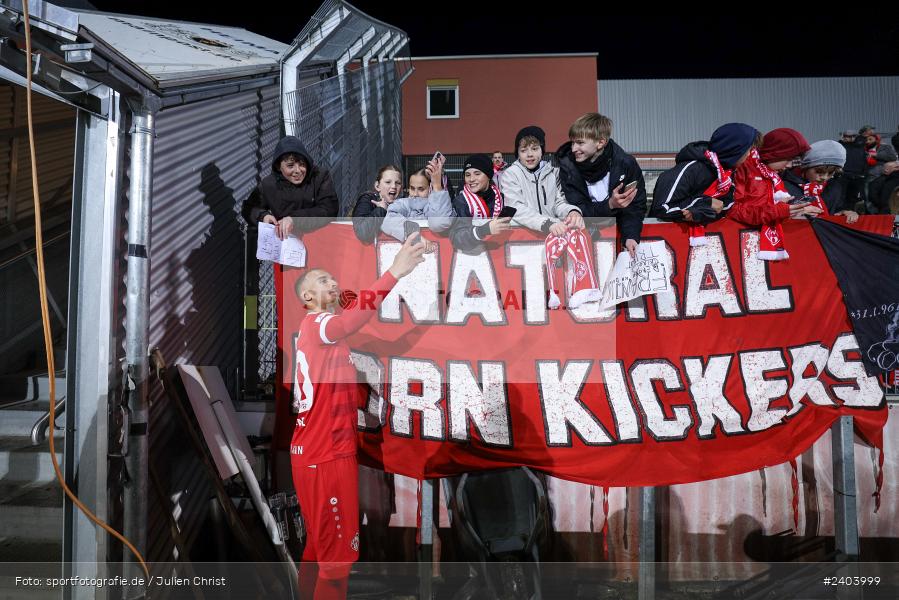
(329, 501)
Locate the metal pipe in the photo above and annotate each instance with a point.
(43, 425)
(845, 509)
(137, 306)
(426, 551)
(646, 583)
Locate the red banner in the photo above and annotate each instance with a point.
(742, 364)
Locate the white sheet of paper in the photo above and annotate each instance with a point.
(293, 252)
(290, 252)
(268, 246)
(631, 278)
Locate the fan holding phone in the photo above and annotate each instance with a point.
(479, 206)
(428, 200)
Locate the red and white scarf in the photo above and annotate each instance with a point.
(581, 283)
(721, 186)
(478, 206)
(771, 242)
(815, 191)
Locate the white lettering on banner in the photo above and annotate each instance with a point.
(760, 297)
(530, 259)
(478, 396)
(478, 270)
(643, 374)
(563, 410)
(404, 371)
(633, 277)
(627, 425)
(483, 404)
(419, 290)
(867, 393)
(803, 357)
(592, 312)
(373, 417)
(710, 281)
(761, 391)
(707, 390)
(666, 302)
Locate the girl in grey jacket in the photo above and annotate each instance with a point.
(427, 200)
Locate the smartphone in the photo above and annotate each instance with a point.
(411, 228)
(802, 200)
(437, 155)
(629, 187)
(507, 211)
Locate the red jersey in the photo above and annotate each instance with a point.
(327, 393)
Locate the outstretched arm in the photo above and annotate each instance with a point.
(337, 327)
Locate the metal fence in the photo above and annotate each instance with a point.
(352, 125)
(267, 323)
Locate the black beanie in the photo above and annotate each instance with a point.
(532, 131)
(481, 162)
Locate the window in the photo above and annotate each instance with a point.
(443, 99)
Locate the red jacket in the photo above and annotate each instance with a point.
(753, 198)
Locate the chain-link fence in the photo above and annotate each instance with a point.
(267, 322)
(352, 125)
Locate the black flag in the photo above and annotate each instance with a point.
(867, 269)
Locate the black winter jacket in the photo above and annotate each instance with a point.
(684, 186)
(833, 194)
(367, 217)
(623, 170)
(312, 203)
(468, 234)
(856, 158)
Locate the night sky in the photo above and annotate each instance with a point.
(653, 46)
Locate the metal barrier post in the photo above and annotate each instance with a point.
(845, 510)
(646, 583)
(426, 551)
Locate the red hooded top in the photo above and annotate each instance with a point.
(753, 191)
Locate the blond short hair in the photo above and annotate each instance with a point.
(593, 126)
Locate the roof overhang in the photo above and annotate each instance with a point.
(165, 62)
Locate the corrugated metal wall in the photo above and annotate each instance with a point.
(662, 115)
(21, 342)
(207, 158)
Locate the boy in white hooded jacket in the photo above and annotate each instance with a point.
(532, 186)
